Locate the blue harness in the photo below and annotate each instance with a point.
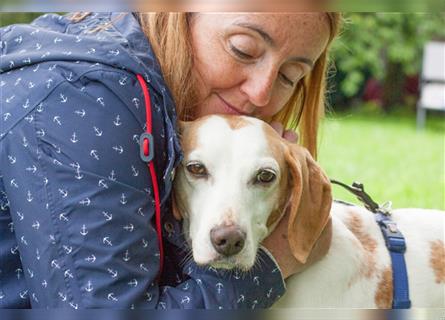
(394, 240)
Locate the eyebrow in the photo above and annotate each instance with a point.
(269, 40)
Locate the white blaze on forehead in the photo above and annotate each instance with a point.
(217, 139)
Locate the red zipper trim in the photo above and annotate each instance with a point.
(151, 167)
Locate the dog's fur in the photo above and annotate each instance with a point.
(345, 260)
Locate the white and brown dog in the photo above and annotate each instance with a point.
(237, 179)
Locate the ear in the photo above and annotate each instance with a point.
(310, 204)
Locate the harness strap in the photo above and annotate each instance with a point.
(147, 153)
(394, 240)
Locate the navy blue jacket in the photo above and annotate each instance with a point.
(76, 200)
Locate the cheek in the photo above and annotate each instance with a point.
(280, 97)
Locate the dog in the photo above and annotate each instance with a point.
(237, 179)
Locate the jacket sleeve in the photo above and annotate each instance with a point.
(83, 211)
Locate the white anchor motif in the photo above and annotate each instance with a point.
(8, 100)
(108, 216)
(123, 199)
(21, 216)
(63, 99)
(269, 293)
(26, 105)
(144, 243)
(47, 53)
(256, 280)
(36, 225)
(18, 39)
(31, 273)
(63, 217)
(91, 51)
(36, 68)
(102, 184)
(19, 272)
(78, 39)
(32, 169)
(34, 32)
(31, 85)
(70, 77)
(94, 154)
(74, 305)
(219, 287)
(44, 283)
(149, 296)
(12, 159)
(141, 212)
(30, 118)
(15, 250)
(11, 226)
(106, 240)
(240, 299)
(114, 52)
(40, 107)
(118, 149)
(25, 142)
(123, 81)
(100, 100)
(63, 192)
(37, 254)
(81, 113)
(129, 227)
(84, 231)
(14, 184)
(135, 172)
(74, 138)
(6, 116)
(162, 305)
(89, 287)
(111, 297)
(2, 83)
(62, 296)
(23, 294)
(2, 295)
(45, 181)
(55, 264)
(98, 132)
(52, 239)
(136, 102)
(11, 64)
(29, 196)
(67, 249)
(91, 258)
(112, 176)
(68, 274)
(186, 299)
(133, 283)
(17, 81)
(117, 122)
(255, 302)
(57, 39)
(112, 272)
(38, 46)
(143, 267)
(126, 256)
(56, 119)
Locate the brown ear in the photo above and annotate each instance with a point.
(310, 203)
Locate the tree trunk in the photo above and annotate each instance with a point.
(393, 86)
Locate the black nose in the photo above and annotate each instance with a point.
(227, 240)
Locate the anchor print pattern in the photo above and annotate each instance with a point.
(76, 200)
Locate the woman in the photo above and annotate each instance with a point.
(80, 210)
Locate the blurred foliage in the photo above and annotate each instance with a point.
(7, 18)
(371, 42)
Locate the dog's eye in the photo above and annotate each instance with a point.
(265, 176)
(197, 169)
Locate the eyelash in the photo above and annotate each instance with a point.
(244, 56)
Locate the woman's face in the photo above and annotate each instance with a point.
(250, 63)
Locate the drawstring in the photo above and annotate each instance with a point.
(147, 152)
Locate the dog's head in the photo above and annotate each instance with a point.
(236, 181)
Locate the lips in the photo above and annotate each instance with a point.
(229, 109)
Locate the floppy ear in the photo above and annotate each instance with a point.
(310, 203)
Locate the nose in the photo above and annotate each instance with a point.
(258, 86)
(228, 240)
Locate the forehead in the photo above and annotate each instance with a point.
(220, 135)
(290, 31)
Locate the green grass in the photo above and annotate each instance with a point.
(388, 155)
